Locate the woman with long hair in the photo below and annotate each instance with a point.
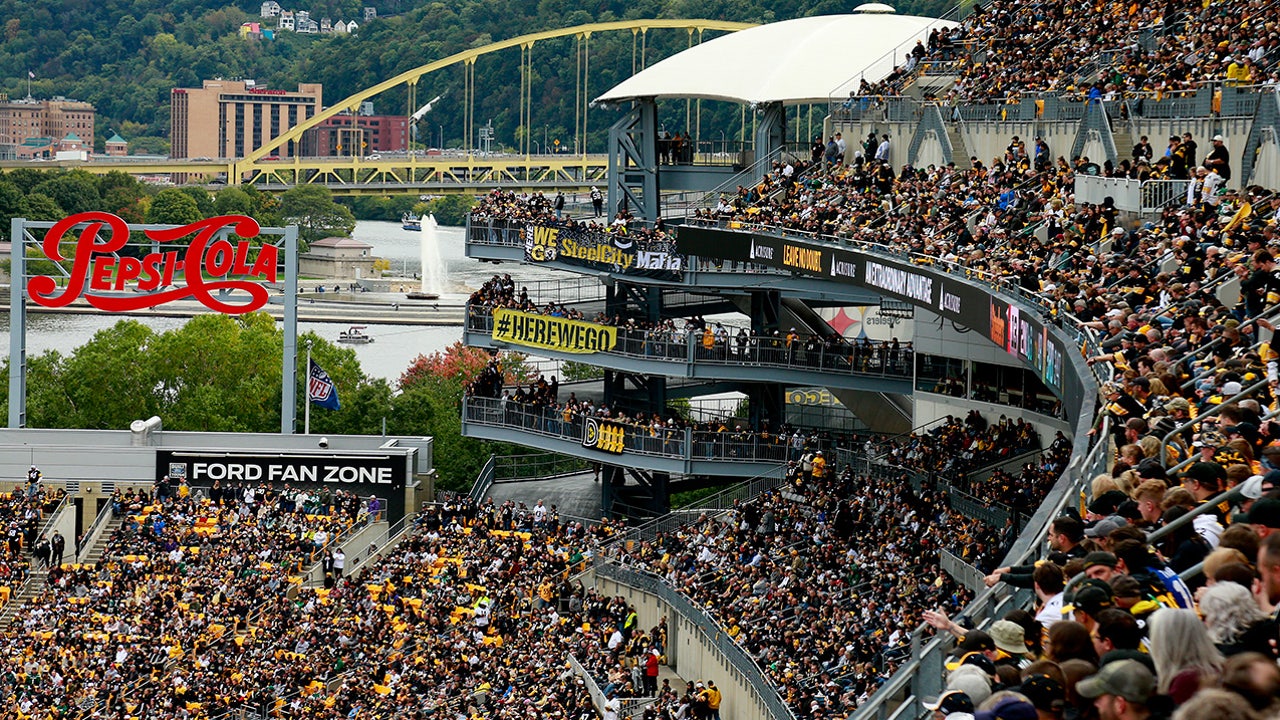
(1184, 656)
(1234, 622)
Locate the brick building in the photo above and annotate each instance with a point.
(56, 119)
(232, 118)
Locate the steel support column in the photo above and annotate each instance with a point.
(771, 131)
(633, 161)
(766, 311)
(18, 324)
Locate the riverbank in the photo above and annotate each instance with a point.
(331, 307)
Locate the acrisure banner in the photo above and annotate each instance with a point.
(1022, 335)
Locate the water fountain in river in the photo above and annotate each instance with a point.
(433, 271)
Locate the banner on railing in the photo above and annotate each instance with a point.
(1021, 335)
(620, 252)
(552, 333)
(603, 435)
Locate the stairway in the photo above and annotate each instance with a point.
(1123, 139)
(959, 151)
(95, 552)
(22, 595)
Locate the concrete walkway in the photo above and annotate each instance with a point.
(573, 495)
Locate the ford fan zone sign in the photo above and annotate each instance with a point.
(109, 280)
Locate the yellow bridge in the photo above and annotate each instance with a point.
(416, 173)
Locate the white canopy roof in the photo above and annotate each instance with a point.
(804, 60)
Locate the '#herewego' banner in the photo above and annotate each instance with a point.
(552, 333)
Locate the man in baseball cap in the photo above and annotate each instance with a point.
(1120, 690)
(950, 705)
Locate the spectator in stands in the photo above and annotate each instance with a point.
(1120, 691)
(1184, 656)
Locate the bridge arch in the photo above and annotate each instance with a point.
(253, 161)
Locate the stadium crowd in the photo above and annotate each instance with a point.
(22, 513)
(198, 605)
(1004, 51)
(1179, 352)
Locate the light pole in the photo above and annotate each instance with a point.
(544, 138)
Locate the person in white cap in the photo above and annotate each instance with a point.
(597, 201)
(33, 481)
(1219, 158)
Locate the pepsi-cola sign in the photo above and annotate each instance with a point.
(201, 271)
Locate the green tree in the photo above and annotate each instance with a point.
(10, 205)
(572, 370)
(204, 201)
(103, 383)
(233, 201)
(428, 403)
(312, 208)
(38, 206)
(75, 192)
(172, 206)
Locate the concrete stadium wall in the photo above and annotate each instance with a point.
(689, 653)
(854, 133)
(987, 140)
(930, 406)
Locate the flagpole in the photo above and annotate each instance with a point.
(306, 422)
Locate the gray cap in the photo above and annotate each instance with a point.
(1128, 679)
(1106, 526)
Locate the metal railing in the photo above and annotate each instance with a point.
(536, 466)
(484, 480)
(845, 358)
(629, 707)
(967, 575)
(382, 544)
(713, 505)
(732, 654)
(684, 444)
(1246, 392)
(90, 537)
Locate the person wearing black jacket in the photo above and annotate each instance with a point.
(1262, 286)
(1065, 535)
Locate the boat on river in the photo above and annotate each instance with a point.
(355, 335)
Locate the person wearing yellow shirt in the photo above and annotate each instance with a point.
(819, 470)
(713, 700)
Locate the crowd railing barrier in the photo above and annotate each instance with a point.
(846, 358)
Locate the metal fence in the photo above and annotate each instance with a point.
(536, 466)
(774, 351)
(713, 505)
(964, 573)
(629, 707)
(484, 480)
(639, 439)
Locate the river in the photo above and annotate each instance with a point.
(395, 346)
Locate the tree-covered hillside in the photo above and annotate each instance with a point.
(124, 56)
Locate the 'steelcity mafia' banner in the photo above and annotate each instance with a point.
(611, 252)
(1020, 335)
(552, 333)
